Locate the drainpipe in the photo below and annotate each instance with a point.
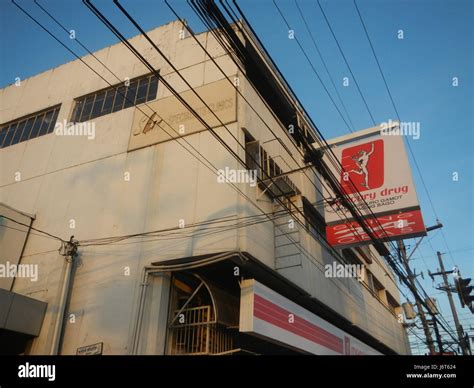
(70, 252)
(139, 315)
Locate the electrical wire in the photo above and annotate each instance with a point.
(32, 228)
(414, 291)
(398, 117)
(324, 64)
(312, 67)
(347, 62)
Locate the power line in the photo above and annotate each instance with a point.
(137, 107)
(32, 228)
(324, 64)
(398, 270)
(252, 107)
(26, 231)
(329, 176)
(312, 66)
(347, 63)
(145, 114)
(224, 144)
(393, 264)
(214, 31)
(393, 103)
(398, 117)
(121, 38)
(243, 72)
(361, 220)
(419, 285)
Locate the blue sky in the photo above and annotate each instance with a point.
(437, 46)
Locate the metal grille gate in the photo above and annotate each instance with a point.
(196, 332)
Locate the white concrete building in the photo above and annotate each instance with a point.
(216, 278)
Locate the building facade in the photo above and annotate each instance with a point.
(182, 249)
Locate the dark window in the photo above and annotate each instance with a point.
(46, 123)
(27, 129)
(131, 95)
(252, 153)
(119, 97)
(142, 90)
(3, 134)
(36, 126)
(18, 132)
(272, 168)
(98, 103)
(10, 133)
(86, 111)
(269, 171)
(350, 256)
(109, 101)
(314, 221)
(153, 88)
(76, 114)
(115, 98)
(53, 120)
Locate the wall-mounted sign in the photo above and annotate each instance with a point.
(266, 313)
(375, 174)
(90, 350)
(174, 118)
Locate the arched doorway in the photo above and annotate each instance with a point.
(196, 325)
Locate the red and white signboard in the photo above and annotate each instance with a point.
(377, 179)
(265, 313)
(401, 225)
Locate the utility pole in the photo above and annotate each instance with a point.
(447, 288)
(421, 313)
(438, 336)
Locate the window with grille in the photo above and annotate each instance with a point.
(115, 98)
(314, 221)
(28, 127)
(256, 158)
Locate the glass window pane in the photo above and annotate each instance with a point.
(3, 133)
(131, 94)
(109, 100)
(53, 120)
(76, 114)
(118, 104)
(18, 132)
(86, 112)
(153, 88)
(36, 126)
(99, 101)
(10, 133)
(46, 123)
(142, 90)
(27, 129)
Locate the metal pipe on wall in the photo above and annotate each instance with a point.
(59, 325)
